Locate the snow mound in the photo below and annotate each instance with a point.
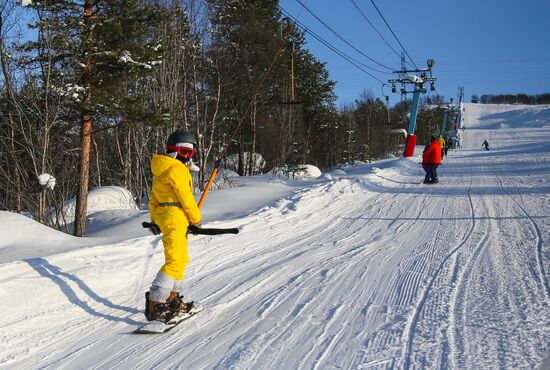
(22, 237)
(103, 198)
(302, 171)
(107, 198)
(335, 174)
(229, 173)
(338, 172)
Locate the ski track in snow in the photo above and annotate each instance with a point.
(539, 243)
(370, 270)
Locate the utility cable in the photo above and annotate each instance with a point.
(393, 33)
(341, 38)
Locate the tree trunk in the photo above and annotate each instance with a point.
(86, 128)
(251, 156)
(97, 166)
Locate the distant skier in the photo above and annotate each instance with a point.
(173, 208)
(485, 144)
(431, 159)
(451, 143)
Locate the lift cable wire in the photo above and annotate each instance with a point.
(301, 9)
(374, 28)
(393, 33)
(341, 38)
(342, 54)
(345, 56)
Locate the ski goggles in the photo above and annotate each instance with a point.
(186, 150)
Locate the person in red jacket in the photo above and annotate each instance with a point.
(431, 159)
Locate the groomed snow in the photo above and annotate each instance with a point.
(363, 267)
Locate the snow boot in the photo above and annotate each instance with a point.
(175, 301)
(147, 311)
(157, 310)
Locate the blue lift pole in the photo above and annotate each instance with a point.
(411, 137)
(414, 112)
(444, 123)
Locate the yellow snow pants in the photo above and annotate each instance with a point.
(173, 224)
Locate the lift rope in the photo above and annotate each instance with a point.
(245, 114)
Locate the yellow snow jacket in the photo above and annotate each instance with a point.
(441, 142)
(172, 207)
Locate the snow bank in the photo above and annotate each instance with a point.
(103, 198)
(22, 237)
(302, 171)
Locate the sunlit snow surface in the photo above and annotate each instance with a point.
(363, 267)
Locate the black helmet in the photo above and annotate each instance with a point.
(181, 136)
(183, 143)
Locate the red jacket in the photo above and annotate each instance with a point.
(432, 153)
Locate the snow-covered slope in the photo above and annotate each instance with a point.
(362, 268)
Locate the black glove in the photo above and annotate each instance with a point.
(193, 228)
(152, 227)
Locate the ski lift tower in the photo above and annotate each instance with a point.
(458, 122)
(417, 78)
(449, 108)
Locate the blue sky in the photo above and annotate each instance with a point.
(487, 46)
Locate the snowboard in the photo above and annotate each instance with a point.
(159, 327)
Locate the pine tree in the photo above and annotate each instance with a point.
(247, 39)
(95, 60)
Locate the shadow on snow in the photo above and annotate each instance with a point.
(54, 273)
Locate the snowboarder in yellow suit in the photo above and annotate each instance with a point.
(173, 208)
(441, 142)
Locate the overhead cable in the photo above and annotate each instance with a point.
(393, 33)
(341, 38)
(301, 9)
(345, 56)
(374, 28)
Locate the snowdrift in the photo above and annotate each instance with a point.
(22, 237)
(99, 199)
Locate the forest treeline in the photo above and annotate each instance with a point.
(536, 99)
(89, 90)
